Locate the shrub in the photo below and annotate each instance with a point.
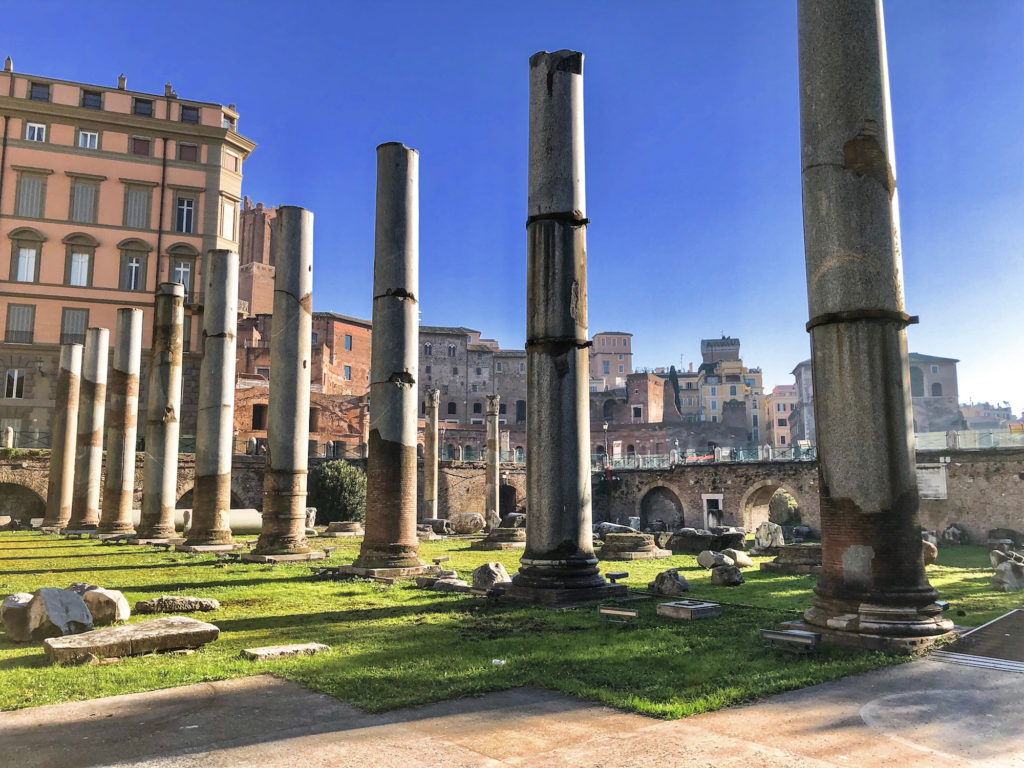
(338, 491)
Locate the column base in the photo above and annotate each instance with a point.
(115, 530)
(872, 642)
(281, 545)
(403, 572)
(340, 535)
(496, 545)
(376, 556)
(293, 557)
(107, 536)
(160, 533)
(203, 548)
(151, 542)
(562, 596)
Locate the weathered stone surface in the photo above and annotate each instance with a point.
(450, 585)
(726, 576)
(929, 552)
(603, 529)
(345, 526)
(54, 612)
(930, 536)
(168, 633)
(689, 610)
(768, 534)
(81, 587)
(690, 541)
(513, 520)
(740, 558)
(1008, 576)
(426, 533)
(14, 615)
(955, 534)
(441, 527)
(176, 604)
(997, 556)
(425, 582)
(106, 605)
(267, 652)
(631, 546)
(709, 559)
(446, 574)
(670, 583)
(468, 522)
(489, 574)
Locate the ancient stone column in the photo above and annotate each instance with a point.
(430, 455)
(122, 423)
(163, 413)
(492, 464)
(559, 560)
(284, 484)
(85, 508)
(873, 584)
(8, 438)
(390, 540)
(61, 481)
(211, 497)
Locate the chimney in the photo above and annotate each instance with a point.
(8, 65)
(691, 367)
(168, 91)
(122, 82)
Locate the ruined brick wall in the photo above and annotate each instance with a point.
(333, 418)
(461, 487)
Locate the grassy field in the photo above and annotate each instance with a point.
(397, 645)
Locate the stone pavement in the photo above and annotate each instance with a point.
(919, 714)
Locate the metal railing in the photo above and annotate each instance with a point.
(968, 439)
(72, 338)
(746, 454)
(37, 441)
(18, 337)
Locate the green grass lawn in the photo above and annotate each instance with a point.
(397, 645)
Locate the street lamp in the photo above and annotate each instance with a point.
(607, 460)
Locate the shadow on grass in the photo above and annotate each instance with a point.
(148, 566)
(4, 558)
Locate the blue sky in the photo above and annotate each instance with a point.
(693, 154)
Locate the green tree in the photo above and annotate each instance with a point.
(338, 491)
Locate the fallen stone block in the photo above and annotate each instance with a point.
(689, 610)
(726, 576)
(740, 558)
(468, 522)
(54, 612)
(81, 587)
(1008, 576)
(450, 585)
(267, 652)
(769, 534)
(670, 583)
(425, 582)
(106, 605)
(489, 574)
(176, 604)
(166, 634)
(14, 615)
(929, 552)
(708, 559)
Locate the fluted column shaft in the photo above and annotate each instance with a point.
(430, 455)
(85, 509)
(61, 481)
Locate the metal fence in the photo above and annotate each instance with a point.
(747, 454)
(969, 438)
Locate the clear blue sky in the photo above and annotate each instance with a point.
(692, 129)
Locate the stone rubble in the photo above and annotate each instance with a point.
(106, 605)
(176, 604)
(53, 612)
(489, 574)
(670, 583)
(708, 559)
(726, 576)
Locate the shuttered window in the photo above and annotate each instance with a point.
(29, 201)
(83, 202)
(73, 325)
(21, 319)
(136, 207)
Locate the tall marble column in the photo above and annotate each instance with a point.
(211, 497)
(492, 463)
(559, 564)
(85, 508)
(873, 588)
(390, 541)
(122, 422)
(284, 484)
(61, 481)
(430, 456)
(163, 414)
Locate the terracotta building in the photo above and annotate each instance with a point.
(611, 360)
(780, 405)
(255, 259)
(104, 193)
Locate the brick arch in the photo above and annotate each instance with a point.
(754, 501)
(20, 501)
(658, 500)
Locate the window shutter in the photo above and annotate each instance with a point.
(75, 321)
(136, 206)
(20, 318)
(83, 202)
(30, 197)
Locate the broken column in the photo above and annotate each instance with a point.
(211, 496)
(559, 564)
(492, 464)
(163, 413)
(391, 545)
(873, 590)
(7, 439)
(284, 482)
(430, 456)
(85, 508)
(61, 481)
(122, 421)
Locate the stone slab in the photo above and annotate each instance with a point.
(869, 642)
(302, 557)
(199, 549)
(79, 533)
(794, 568)
(389, 573)
(166, 634)
(689, 610)
(497, 545)
(341, 535)
(267, 652)
(155, 542)
(655, 554)
(563, 597)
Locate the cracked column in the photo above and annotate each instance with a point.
(492, 464)
(390, 544)
(430, 456)
(559, 564)
(122, 422)
(873, 591)
(163, 412)
(211, 497)
(284, 484)
(85, 508)
(61, 480)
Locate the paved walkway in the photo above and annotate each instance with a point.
(920, 714)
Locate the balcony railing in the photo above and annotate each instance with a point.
(18, 337)
(72, 338)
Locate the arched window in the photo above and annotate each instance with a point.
(451, 408)
(520, 454)
(608, 410)
(520, 411)
(477, 408)
(449, 452)
(916, 382)
(428, 349)
(26, 254)
(134, 264)
(80, 253)
(451, 350)
(630, 450)
(936, 389)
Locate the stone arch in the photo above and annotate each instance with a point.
(21, 502)
(660, 503)
(608, 410)
(754, 502)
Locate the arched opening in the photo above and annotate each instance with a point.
(630, 451)
(769, 500)
(936, 389)
(20, 502)
(608, 410)
(451, 407)
(520, 454)
(916, 382)
(507, 499)
(449, 452)
(185, 501)
(661, 505)
(520, 411)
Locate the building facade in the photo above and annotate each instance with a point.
(780, 405)
(255, 257)
(104, 193)
(611, 360)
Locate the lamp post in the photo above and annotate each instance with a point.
(607, 459)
